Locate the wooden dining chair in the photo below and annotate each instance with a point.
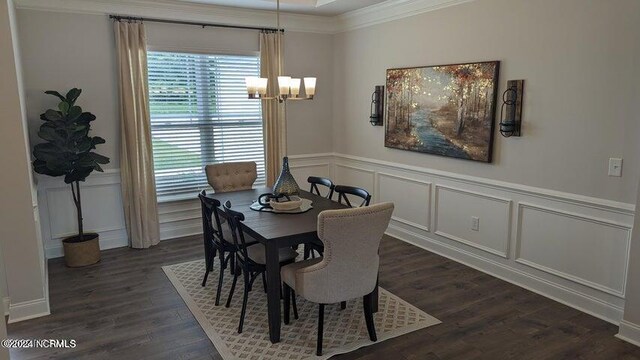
(349, 267)
(315, 181)
(232, 176)
(344, 190)
(216, 241)
(311, 248)
(251, 260)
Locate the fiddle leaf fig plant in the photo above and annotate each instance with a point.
(68, 148)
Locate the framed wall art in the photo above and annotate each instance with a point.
(446, 110)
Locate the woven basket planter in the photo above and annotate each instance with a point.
(78, 254)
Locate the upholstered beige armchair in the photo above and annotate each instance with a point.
(349, 266)
(233, 176)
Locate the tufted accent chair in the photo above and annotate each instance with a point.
(235, 176)
(349, 266)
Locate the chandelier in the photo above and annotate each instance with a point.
(288, 87)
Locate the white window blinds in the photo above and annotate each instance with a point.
(200, 115)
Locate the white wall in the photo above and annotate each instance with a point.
(23, 265)
(579, 60)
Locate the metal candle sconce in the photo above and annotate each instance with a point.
(377, 106)
(511, 119)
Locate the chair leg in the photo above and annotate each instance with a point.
(264, 283)
(367, 301)
(209, 265)
(320, 329)
(233, 264)
(220, 278)
(233, 288)
(295, 306)
(343, 305)
(245, 297)
(287, 302)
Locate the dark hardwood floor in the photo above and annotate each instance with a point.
(125, 308)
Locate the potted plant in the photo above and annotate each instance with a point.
(68, 151)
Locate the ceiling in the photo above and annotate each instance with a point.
(311, 7)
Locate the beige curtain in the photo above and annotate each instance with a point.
(136, 157)
(274, 121)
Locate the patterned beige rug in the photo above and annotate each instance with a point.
(345, 330)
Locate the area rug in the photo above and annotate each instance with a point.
(345, 330)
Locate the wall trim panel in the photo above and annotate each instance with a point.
(429, 186)
(507, 202)
(595, 220)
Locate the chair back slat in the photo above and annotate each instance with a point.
(211, 223)
(316, 180)
(344, 190)
(235, 219)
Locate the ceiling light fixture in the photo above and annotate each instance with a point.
(289, 88)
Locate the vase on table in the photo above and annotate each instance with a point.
(286, 185)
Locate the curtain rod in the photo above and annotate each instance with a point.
(132, 18)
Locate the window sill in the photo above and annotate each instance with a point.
(167, 199)
(176, 198)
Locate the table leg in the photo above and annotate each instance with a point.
(374, 296)
(273, 291)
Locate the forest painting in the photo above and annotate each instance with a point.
(444, 110)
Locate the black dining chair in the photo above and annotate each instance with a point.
(310, 249)
(216, 241)
(344, 190)
(252, 261)
(316, 180)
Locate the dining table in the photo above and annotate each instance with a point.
(275, 231)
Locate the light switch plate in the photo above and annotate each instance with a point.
(615, 167)
(475, 223)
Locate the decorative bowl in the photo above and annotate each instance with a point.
(294, 203)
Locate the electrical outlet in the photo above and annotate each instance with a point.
(475, 223)
(615, 167)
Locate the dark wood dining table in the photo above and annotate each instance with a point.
(277, 231)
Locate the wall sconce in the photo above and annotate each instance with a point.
(511, 119)
(377, 106)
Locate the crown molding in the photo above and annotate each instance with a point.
(390, 10)
(168, 9)
(173, 10)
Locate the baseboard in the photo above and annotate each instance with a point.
(28, 310)
(56, 250)
(629, 332)
(173, 232)
(570, 297)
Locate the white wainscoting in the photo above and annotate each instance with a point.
(568, 247)
(413, 194)
(455, 209)
(598, 247)
(101, 207)
(102, 210)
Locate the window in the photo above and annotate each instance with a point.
(200, 115)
